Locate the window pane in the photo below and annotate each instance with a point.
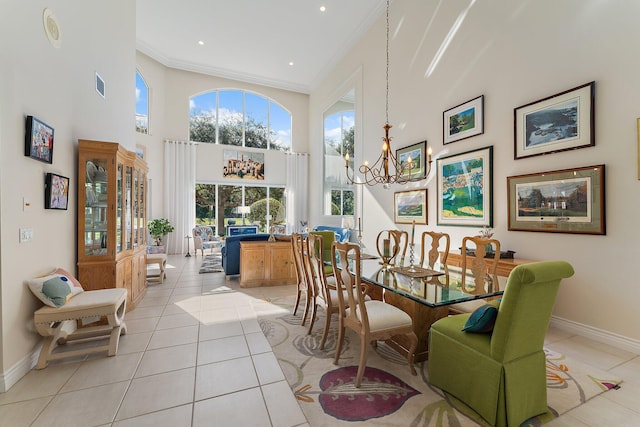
(333, 161)
(230, 117)
(336, 202)
(229, 198)
(280, 125)
(206, 205)
(347, 202)
(142, 105)
(277, 205)
(347, 138)
(256, 199)
(202, 117)
(256, 127)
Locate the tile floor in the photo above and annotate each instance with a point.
(194, 355)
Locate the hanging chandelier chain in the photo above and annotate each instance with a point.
(387, 94)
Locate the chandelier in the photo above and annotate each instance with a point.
(387, 169)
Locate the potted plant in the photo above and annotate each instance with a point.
(158, 228)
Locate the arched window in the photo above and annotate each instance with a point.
(241, 118)
(142, 104)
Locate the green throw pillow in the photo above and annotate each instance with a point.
(482, 319)
(57, 290)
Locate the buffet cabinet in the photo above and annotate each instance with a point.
(112, 219)
(264, 263)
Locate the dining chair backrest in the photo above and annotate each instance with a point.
(315, 259)
(297, 240)
(431, 243)
(398, 241)
(482, 268)
(346, 265)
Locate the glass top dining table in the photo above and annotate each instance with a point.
(433, 288)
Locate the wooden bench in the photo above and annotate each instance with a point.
(161, 261)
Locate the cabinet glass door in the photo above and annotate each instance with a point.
(136, 209)
(119, 208)
(95, 206)
(128, 208)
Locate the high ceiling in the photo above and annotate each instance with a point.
(254, 40)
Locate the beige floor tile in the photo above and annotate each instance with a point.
(626, 395)
(566, 420)
(219, 330)
(142, 312)
(282, 405)
(142, 325)
(89, 407)
(40, 383)
(225, 377)
(133, 343)
(105, 370)
(22, 414)
(222, 349)
(174, 417)
(176, 321)
(257, 343)
(167, 359)
(602, 412)
(244, 408)
(171, 337)
(222, 315)
(188, 303)
(629, 370)
(157, 392)
(152, 302)
(591, 352)
(158, 291)
(250, 326)
(189, 290)
(267, 368)
(173, 309)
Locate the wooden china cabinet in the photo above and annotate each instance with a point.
(112, 219)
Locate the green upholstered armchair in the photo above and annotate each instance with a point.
(328, 237)
(501, 375)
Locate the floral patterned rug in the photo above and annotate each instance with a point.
(211, 263)
(389, 394)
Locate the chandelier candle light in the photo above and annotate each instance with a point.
(379, 172)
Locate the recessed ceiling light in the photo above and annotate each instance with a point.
(323, 8)
(200, 42)
(291, 63)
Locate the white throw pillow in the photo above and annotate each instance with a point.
(37, 284)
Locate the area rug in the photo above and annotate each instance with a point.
(389, 394)
(211, 263)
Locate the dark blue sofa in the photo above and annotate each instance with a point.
(231, 251)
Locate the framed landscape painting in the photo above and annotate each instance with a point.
(463, 121)
(562, 201)
(561, 122)
(416, 153)
(410, 206)
(465, 194)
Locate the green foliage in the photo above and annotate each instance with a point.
(158, 228)
(259, 212)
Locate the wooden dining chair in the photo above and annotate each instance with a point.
(324, 293)
(372, 320)
(478, 271)
(398, 242)
(430, 250)
(297, 241)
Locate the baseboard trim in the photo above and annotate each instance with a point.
(605, 337)
(18, 370)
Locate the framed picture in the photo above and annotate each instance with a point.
(562, 201)
(465, 195)
(243, 165)
(409, 206)
(38, 140)
(56, 191)
(416, 153)
(463, 121)
(141, 151)
(561, 122)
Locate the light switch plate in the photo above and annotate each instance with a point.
(26, 234)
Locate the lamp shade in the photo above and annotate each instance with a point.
(347, 223)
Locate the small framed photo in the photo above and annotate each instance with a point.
(409, 206)
(562, 201)
(38, 140)
(56, 192)
(416, 153)
(463, 121)
(560, 122)
(465, 195)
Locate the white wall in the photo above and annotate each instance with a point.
(57, 86)
(513, 53)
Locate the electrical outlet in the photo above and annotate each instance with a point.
(26, 234)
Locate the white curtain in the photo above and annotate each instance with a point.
(180, 193)
(297, 190)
